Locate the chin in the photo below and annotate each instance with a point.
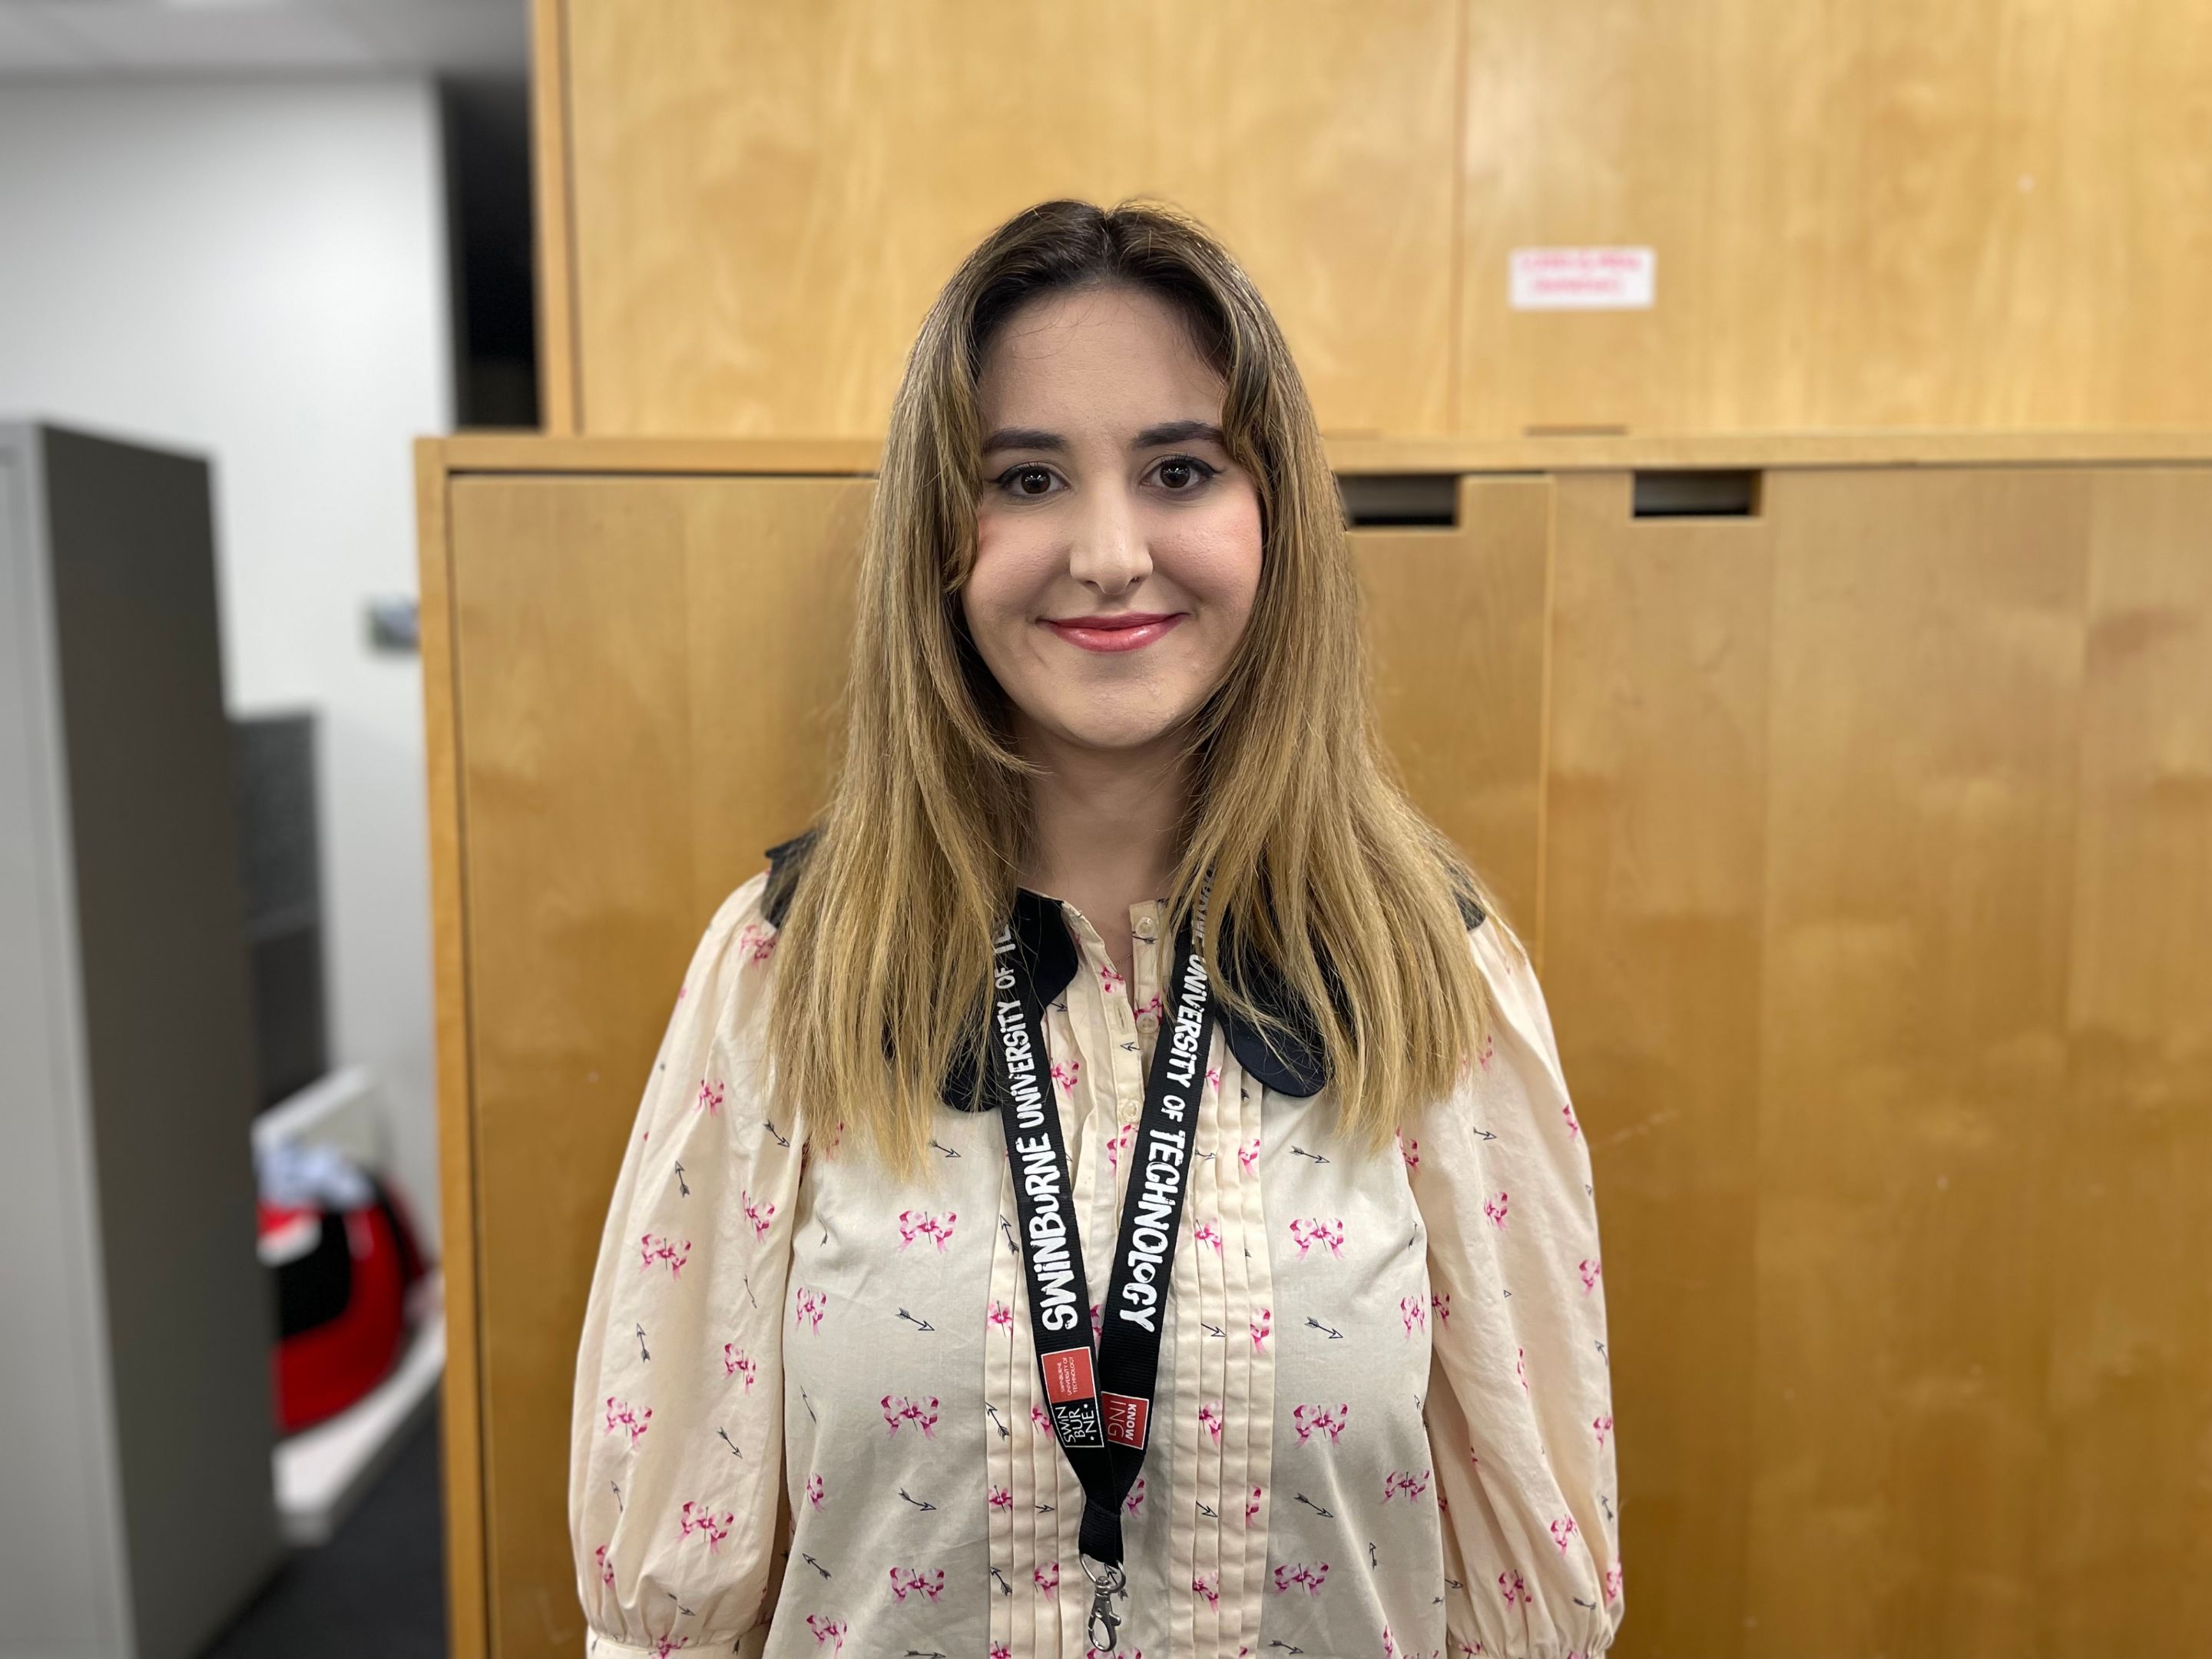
(1093, 733)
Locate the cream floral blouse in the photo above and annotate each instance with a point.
(806, 1417)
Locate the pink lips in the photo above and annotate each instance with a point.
(1131, 633)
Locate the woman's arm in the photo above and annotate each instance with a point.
(677, 1435)
(1519, 1406)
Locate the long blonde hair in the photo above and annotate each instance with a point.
(1319, 859)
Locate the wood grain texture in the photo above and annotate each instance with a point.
(1869, 841)
(648, 670)
(552, 180)
(2127, 1476)
(1876, 876)
(1921, 759)
(1878, 215)
(1455, 624)
(460, 1398)
(507, 451)
(1655, 848)
(766, 199)
(1995, 217)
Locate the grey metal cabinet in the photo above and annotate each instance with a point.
(136, 1322)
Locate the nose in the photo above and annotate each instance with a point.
(1107, 551)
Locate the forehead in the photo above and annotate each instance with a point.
(1097, 359)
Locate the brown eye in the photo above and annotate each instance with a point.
(1183, 475)
(1030, 481)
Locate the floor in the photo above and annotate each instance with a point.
(375, 1591)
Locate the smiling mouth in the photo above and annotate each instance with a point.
(1131, 633)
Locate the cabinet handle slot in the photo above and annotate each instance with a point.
(1400, 499)
(1701, 494)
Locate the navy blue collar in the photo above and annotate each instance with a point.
(1297, 1065)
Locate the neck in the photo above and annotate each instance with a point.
(1106, 823)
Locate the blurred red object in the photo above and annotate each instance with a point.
(344, 1256)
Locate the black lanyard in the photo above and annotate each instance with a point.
(1102, 1420)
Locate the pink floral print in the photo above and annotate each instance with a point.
(1310, 1420)
(921, 1224)
(907, 1581)
(899, 1411)
(824, 1331)
(809, 1305)
(652, 1249)
(760, 1214)
(698, 1517)
(620, 1416)
(1404, 1483)
(1118, 1143)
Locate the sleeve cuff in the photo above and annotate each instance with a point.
(748, 1645)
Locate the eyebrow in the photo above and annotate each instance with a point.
(1167, 432)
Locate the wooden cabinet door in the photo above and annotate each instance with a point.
(646, 673)
(1877, 871)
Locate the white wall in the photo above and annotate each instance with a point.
(256, 270)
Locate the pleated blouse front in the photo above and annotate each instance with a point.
(807, 1413)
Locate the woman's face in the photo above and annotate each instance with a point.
(1106, 495)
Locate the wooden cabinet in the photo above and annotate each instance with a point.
(1861, 821)
(1862, 216)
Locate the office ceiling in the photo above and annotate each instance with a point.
(44, 39)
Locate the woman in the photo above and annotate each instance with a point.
(1111, 805)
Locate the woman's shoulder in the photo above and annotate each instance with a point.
(744, 906)
(1508, 972)
(762, 900)
(736, 937)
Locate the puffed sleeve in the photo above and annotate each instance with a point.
(676, 1438)
(1519, 1405)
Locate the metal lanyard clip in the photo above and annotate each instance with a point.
(1106, 1581)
